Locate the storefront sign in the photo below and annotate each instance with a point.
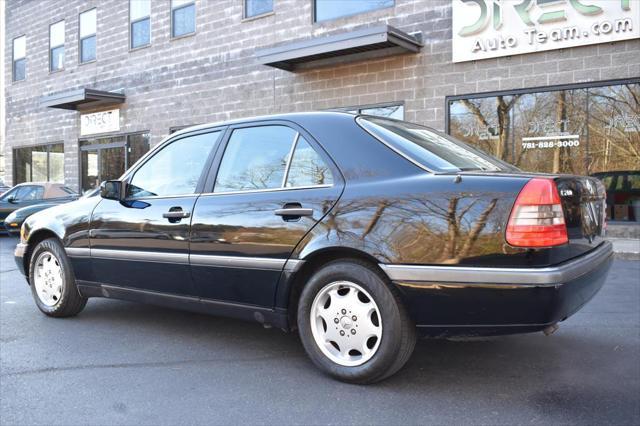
(492, 28)
(100, 122)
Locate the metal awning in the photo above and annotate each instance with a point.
(373, 42)
(82, 99)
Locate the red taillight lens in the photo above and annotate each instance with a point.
(537, 219)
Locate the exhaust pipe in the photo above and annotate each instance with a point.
(548, 331)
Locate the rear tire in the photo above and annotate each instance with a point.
(53, 284)
(353, 324)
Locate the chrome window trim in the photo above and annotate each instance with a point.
(161, 197)
(465, 275)
(248, 191)
(296, 138)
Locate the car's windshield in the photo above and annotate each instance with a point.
(9, 194)
(433, 150)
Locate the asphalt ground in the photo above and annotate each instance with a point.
(126, 363)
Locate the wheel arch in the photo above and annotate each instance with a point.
(312, 262)
(34, 239)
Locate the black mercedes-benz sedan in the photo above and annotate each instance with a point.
(360, 232)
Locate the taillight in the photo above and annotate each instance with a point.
(537, 219)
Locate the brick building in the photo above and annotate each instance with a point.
(93, 84)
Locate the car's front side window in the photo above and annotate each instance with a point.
(175, 169)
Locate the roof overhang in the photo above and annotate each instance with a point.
(367, 43)
(82, 99)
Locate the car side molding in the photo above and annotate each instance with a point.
(465, 276)
(249, 262)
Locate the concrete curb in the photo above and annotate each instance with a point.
(627, 256)
(626, 248)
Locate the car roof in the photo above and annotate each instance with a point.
(294, 116)
(51, 189)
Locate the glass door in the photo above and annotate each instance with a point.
(108, 158)
(100, 164)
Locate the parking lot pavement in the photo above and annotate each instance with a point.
(126, 363)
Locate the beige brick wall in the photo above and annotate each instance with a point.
(213, 75)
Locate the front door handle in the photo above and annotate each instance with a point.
(175, 214)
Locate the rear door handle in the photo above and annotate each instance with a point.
(176, 215)
(293, 211)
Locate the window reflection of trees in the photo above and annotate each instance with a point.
(614, 128)
(606, 121)
(307, 168)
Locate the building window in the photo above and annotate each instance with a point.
(140, 23)
(183, 17)
(42, 163)
(325, 10)
(56, 46)
(19, 58)
(395, 111)
(584, 130)
(88, 36)
(257, 7)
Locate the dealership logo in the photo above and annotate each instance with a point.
(100, 122)
(490, 28)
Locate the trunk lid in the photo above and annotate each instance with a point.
(584, 204)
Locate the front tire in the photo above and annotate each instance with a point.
(353, 324)
(53, 284)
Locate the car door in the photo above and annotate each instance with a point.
(270, 185)
(143, 242)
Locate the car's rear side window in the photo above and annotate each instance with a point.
(255, 158)
(431, 149)
(307, 167)
(270, 157)
(175, 169)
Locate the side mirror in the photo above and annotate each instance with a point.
(113, 190)
(12, 200)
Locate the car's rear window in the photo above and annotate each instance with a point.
(433, 150)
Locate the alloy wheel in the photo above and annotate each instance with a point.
(48, 278)
(346, 323)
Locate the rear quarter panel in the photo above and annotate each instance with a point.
(422, 219)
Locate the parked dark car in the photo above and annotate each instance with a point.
(31, 197)
(623, 194)
(360, 232)
(13, 222)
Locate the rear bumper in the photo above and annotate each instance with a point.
(445, 300)
(18, 255)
